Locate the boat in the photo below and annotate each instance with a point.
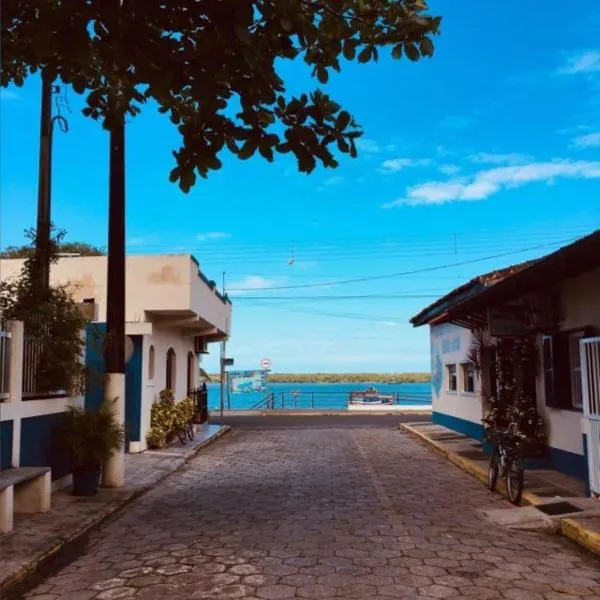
(370, 397)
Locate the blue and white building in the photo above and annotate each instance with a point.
(555, 300)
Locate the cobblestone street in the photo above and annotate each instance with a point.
(328, 513)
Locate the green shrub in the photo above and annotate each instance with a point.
(156, 438)
(166, 417)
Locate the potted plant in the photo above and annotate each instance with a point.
(92, 436)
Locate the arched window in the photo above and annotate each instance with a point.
(151, 359)
(191, 366)
(171, 370)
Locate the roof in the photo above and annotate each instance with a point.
(516, 280)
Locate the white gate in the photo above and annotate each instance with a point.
(590, 387)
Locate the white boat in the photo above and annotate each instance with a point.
(370, 397)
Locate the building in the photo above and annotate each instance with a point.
(173, 314)
(555, 303)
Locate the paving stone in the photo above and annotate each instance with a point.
(298, 514)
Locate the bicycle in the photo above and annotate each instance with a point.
(507, 463)
(185, 432)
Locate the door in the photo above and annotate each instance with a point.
(590, 384)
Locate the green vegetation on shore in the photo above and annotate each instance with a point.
(345, 377)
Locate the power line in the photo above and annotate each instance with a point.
(341, 315)
(338, 297)
(400, 274)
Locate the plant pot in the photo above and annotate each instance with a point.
(86, 482)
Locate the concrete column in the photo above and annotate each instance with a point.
(33, 496)
(6, 509)
(15, 394)
(113, 470)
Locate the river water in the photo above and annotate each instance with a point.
(326, 396)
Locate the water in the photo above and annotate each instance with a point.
(330, 396)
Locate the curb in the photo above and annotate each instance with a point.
(16, 580)
(569, 528)
(582, 535)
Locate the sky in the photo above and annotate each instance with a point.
(486, 155)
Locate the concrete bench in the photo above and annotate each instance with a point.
(23, 490)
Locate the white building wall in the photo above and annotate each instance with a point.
(162, 340)
(580, 307)
(450, 344)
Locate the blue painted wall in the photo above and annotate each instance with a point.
(6, 440)
(133, 379)
(468, 428)
(39, 448)
(568, 463)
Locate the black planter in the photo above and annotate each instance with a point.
(85, 483)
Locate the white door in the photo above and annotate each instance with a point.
(590, 387)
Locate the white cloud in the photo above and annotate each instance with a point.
(368, 146)
(587, 61)
(397, 164)
(254, 282)
(591, 140)
(449, 169)
(489, 182)
(511, 158)
(212, 235)
(137, 242)
(334, 180)
(9, 95)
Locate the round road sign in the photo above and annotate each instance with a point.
(265, 363)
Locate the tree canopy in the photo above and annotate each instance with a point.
(78, 248)
(214, 66)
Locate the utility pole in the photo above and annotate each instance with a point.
(222, 362)
(113, 472)
(42, 240)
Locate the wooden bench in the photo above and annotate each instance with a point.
(23, 490)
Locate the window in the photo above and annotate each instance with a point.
(171, 370)
(452, 379)
(575, 369)
(468, 378)
(548, 366)
(151, 359)
(562, 369)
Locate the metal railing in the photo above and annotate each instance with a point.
(318, 400)
(200, 398)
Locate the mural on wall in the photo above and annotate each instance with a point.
(241, 382)
(437, 372)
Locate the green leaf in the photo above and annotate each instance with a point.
(286, 24)
(322, 74)
(365, 55)
(411, 51)
(342, 120)
(349, 49)
(426, 47)
(247, 150)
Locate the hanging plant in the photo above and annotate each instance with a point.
(514, 407)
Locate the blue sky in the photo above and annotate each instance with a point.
(488, 149)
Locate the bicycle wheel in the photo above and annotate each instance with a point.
(190, 432)
(514, 479)
(181, 434)
(494, 469)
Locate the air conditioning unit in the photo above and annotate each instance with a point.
(200, 345)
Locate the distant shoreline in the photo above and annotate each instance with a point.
(344, 377)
